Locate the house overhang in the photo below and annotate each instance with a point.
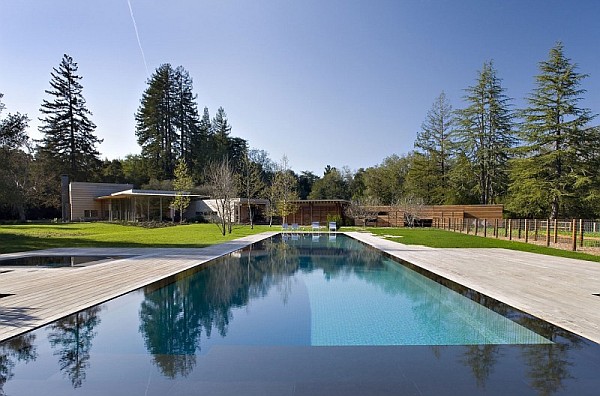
(146, 194)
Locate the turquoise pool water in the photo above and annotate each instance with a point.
(300, 315)
(389, 304)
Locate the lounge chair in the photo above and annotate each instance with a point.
(332, 226)
(295, 227)
(284, 226)
(315, 226)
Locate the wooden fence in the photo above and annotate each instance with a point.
(572, 234)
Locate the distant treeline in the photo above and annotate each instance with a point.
(540, 161)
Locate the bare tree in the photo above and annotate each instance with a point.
(412, 208)
(251, 183)
(284, 190)
(223, 188)
(363, 210)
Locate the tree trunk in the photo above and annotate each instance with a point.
(250, 215)
(555, 207)
(21, 211)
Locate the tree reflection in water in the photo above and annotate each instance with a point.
(174, 317)
(17, 349)
(71, 337)
(481, 359)
(549, 365)
(177, 317)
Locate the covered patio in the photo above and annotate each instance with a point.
(140, 205)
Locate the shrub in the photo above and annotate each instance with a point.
(337, 218)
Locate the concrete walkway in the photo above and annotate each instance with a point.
(557, 290)
(38, 296)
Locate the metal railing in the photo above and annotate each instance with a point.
(572, 234)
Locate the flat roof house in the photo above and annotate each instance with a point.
(106, 201)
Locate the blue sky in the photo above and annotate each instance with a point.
(324, 82)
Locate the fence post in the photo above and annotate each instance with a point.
(548, 232)
(510, 229)
(535, 230)
(485, 228)
(526, 231)
(476, 225)
(574, 227)
(496, 228)
(580, 232)
(519, 228)
(555, 231)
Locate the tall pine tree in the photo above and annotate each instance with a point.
(220, 134)
(202, 147)
(167, 124)
(556, 172)
(485, 133)
(69, 139)
(429, 174)
(187, 120)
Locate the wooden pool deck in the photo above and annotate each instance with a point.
(37, 296)
(558, 290)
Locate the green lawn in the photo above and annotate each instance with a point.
(449, 239)
(16, 238)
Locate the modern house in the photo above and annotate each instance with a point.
(113, 202)
(106, 201)
(239, 210)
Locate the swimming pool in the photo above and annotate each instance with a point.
(300, 315)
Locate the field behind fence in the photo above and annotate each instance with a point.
(575, 234)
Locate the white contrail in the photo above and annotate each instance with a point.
(137, 35)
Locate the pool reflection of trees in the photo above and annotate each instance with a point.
(17, 349)
(547, 365)
(71, 338)
(173, 318)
